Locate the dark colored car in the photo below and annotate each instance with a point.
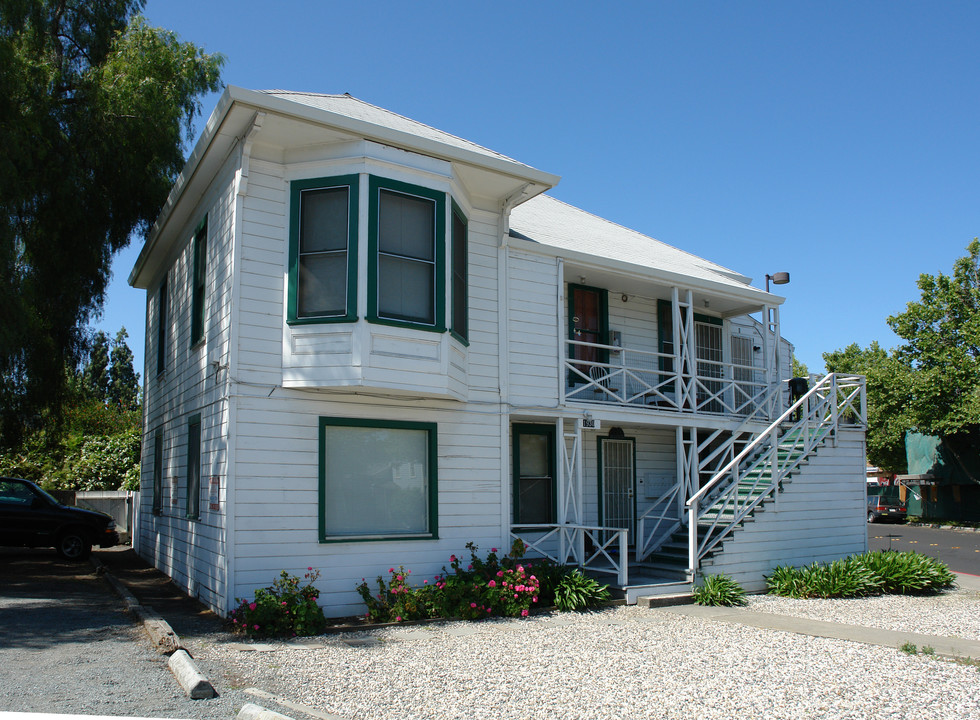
(881, 507)
(29, 517)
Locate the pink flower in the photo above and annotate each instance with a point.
(524, 612)
(469, 567)
(492, 583)
(399, 578)
(500, 573)
(533, 578)
(425, 582)
(283, 602)
(493, 549)
(391, 570)
(256, 627)
(534, 599)
(472, 605)
(309, 568)
(515, 596)
(398, 618)
(252, 606)
(452, 558)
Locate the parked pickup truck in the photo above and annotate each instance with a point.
(29, 517)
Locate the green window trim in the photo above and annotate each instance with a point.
(199, 281)
(518, 429)
(193, 500)
(156, 506)
(432, 451)
(162, 327)
(296, 189)
(377, 185)
(665, 331)
(460, 284)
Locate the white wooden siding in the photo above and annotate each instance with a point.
(192, 552)
(819, 517)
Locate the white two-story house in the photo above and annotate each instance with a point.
(370, 342)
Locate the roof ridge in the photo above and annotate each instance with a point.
(396, 114)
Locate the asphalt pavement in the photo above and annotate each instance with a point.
(959, 548)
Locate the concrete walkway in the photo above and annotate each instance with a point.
(959, 648)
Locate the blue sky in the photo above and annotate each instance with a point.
(837, 141)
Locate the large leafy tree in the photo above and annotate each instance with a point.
(888, 391)
(942, 348)
(95, 108)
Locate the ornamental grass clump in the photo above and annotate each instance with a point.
(718, 590)
(871, 573)
(576, 591)
(907, 572)
(285, 609)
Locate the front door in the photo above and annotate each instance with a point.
(587, 323)
(617, 483)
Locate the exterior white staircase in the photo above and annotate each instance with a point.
(754, 474)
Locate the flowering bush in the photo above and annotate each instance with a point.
(285, 609)
(486, 587)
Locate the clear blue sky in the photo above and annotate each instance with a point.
(838, 141)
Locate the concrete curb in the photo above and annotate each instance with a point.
(255, 712)
(190, 678)
(164, 639)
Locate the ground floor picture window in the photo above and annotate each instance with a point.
(377, 479)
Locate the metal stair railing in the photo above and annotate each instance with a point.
(659, 521)
(757, 471)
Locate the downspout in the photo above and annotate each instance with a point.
(503, 355)
(231, 472)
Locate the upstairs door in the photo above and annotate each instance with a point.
(710, 356)
(588, 322)
(617, 481)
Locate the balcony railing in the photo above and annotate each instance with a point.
(648, 378)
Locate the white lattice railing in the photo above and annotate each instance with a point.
(658, 522)
(756, 471)
(600, 549)
(636, 377)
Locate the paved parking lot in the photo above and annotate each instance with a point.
(67, 647)
(960, 549)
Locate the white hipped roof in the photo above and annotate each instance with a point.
(353, 107)
(548, 221)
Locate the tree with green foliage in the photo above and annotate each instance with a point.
(123, 380)
(95, 375)
(95, 108)
(799, 369)
(888, 398)
(97, 444)
(942, 350)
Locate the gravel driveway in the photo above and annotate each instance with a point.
(627, 662)
(66, 647)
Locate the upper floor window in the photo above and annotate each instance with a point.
(200, 249)
(460, 276)
(406, 254)
(323, 250)
(162, 327)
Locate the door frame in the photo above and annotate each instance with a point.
(601, 481)
(602, 356)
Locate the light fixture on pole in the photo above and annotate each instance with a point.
(780, 278)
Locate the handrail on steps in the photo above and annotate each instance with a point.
(819, 389)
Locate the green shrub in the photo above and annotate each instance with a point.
(283, 610)
(871, 573)
(576, 591)
(718, 590)
(485, 587)
(907, 572)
